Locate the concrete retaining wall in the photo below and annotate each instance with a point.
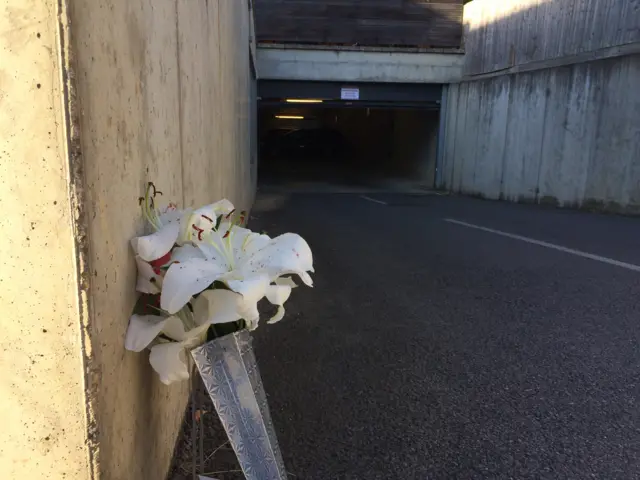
(358, 66)
(42, 395)
(565, 133)
(97, 98)
(567, 136)
(500, 35)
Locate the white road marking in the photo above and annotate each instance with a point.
(610, 261)
(373, 200)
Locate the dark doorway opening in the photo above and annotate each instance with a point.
(350, 146)
(307, 133)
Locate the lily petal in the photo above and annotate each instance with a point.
(185, 279)
(186, 252)
(250, 313)
(288, 253)
(214, 210)
(278, 294)
(216, 306)
(148, 281)
(143, 329)
(287, 281)
(213, 251)
(304, 276)
(204, 218)
(278, 316)
(170, 361)
(238, 237)
(251, 244)
(170, 214)
(196, 337)
(252, 288)
(189, 339)
(174, 329)
(154, 246)
(251, 324)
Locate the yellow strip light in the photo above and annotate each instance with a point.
(303, 100)
(289, 117)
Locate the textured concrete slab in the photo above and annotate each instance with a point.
(96, 100)
(358, 66)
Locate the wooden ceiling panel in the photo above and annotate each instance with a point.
(410, 23)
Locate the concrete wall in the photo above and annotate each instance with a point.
(503, 34)
(358, 66)
(42, 394)
(93, 107)
(564, 131)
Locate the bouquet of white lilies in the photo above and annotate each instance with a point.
(201, 275)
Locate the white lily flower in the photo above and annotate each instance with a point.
(169, 360)
(149, 281)
(245, 261)
(287, 281)
(207, 216)
(186, 252)
(172, 226)
(143, 329)
(277, 295)
(217, 306)
(212, 307)
(158, 244)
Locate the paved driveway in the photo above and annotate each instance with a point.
(450, 338)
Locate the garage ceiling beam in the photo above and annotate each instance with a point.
(405, 93)
(356, 66)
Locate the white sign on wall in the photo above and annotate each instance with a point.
(349, 93)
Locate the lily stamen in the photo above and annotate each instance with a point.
(199, 230)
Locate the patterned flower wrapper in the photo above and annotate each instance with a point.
(230, 374)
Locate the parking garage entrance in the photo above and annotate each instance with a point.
(352, 134)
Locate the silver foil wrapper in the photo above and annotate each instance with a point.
(230, 374)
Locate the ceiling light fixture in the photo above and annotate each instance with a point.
(290, 117)
(304, 100)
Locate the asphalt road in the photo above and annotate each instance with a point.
(434, 350)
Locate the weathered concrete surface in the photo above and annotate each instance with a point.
(566, 129)
(42, 397)
(165, 91)
(499, 35)
(158, 91)
(358, 66)
(568, 136)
